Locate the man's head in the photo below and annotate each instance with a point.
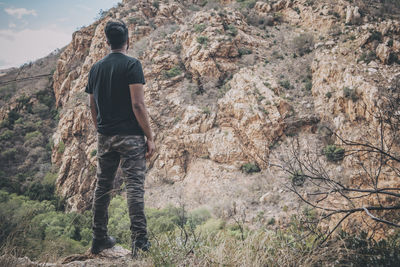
(116, 33)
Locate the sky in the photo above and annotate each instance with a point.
(31, 29)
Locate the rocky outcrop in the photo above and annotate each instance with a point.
(353, 15)
(214, 102)
(113, 256)
(217, 130)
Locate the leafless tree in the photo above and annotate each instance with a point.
(374, 190)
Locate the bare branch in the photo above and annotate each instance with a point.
(378, 219)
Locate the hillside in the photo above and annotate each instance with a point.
(28, 119)
(227, 84)
(234, 89)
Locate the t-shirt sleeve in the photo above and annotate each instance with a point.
(135, 72)
(89, 86)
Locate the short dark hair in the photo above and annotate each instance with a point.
(116, 33)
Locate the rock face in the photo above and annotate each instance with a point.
(221, 92)
(353, 15)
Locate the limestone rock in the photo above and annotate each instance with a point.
(383, 53)
(353, 15)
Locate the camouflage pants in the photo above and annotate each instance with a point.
(129, 150)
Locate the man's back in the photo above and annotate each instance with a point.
(109, 81)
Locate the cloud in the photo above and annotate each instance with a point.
(28, 45)
(19, 12)
(12, 25)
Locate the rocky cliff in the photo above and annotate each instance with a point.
(229, 84)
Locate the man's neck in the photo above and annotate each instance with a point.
(121, 50)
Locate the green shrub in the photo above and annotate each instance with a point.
(35, 229)
(206, 110)
(138, 21)
(40, 109)
(350, 93)
(285, 84)
(39, 191)
(163, 220)
(393, 58)
(156, 4)
(32, 135)
(13, 115)
(328, 95)
(238, 231)
(247, 3)
(334, 153)
(375, 35)
(212, 225)
(93, 153)
(50, 145)
(199, 27)
(308, 85)
(45, 97)
(250, 168)
(244, 51)
(370, 252)
(202, 40)
(297, 178)
(61, 147)
(231, 30)
(23, 101)
(174, 71)
(4, 123)
(271, 221)
(9, 154)
(198, 217)
(7, 91)
(6, 135)
(50, 178)
(19, 121)
(367, 57)
(119, 222)
(303, 43)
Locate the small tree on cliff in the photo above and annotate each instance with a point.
(373, 194)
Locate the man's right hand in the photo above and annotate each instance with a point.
(151, 147)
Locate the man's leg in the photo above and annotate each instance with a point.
(133, 165)
(107, 164)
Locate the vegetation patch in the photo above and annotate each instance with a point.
(249, 168)
(199, 27)
(285, 84)
(202, 40)
(297, 178)
(6, 135)
(230, 29)
(334, 153)
(174, 71)
(367, 57)
(61, 147)
(303, 43)
(244, 51)
(350, 93)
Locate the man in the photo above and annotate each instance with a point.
(116, 97)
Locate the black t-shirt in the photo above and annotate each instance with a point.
(109, 80)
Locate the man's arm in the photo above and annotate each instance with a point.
(140, 111)
(93, 110)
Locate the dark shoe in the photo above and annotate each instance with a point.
(143, 245)
(98, 245)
